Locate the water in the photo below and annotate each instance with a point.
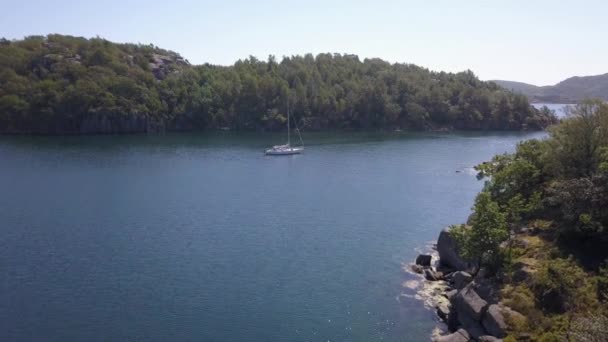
(203, 238)
(559, 108)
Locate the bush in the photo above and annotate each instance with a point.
(561, 285)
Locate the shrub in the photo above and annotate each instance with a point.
(561, 285)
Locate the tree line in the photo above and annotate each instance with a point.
(65, 84)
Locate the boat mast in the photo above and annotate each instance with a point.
(288, 137)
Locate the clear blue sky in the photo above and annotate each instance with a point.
(540, 42)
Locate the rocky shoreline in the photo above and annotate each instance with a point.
(467, 303)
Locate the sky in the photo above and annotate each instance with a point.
(539, 42)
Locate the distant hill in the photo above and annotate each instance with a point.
(571, 90)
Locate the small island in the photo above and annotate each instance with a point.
(60, 84)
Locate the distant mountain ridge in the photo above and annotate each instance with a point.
(571, 90)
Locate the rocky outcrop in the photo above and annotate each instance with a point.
(459, 336)
(450, 294)
(461, 279)
(494, 322)
(448, 252)
(163, 65)
(471, 311)
(469, 303)
(443, 311)
(424, 260)
(472, 326)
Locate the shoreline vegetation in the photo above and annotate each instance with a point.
(58, 84)
(531, 263)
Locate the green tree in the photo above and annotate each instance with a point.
(488, 229)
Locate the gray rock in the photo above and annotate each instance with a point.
(472, 326)
(494, 322)
(486, 290)
(459, 336)
(460, 279)
(468, 303)
(418, 269)
(431, 275)
(450, 294)
(488, 338)
(444, 268)
(448, 252)
(424, 260)
(443, 311)
(452, 321)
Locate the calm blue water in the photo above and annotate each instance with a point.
(202, 238)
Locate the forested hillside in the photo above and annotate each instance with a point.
(540, 230)
(59, 84)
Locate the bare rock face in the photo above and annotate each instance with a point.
(448, 252)
(163, 65)
(459, 336)
(469, 303)
(423, 260)
(494, 322)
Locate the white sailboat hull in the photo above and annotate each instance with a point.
(287, 149)
(284, 150)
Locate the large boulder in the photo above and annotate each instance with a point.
(452, 321)
(486, 289)
(448, 252)
(494, 322)
(469, 303)
(424, 260)
(461, 279)
(472, 326)
(459, 336)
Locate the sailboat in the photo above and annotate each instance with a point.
(287, 149)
